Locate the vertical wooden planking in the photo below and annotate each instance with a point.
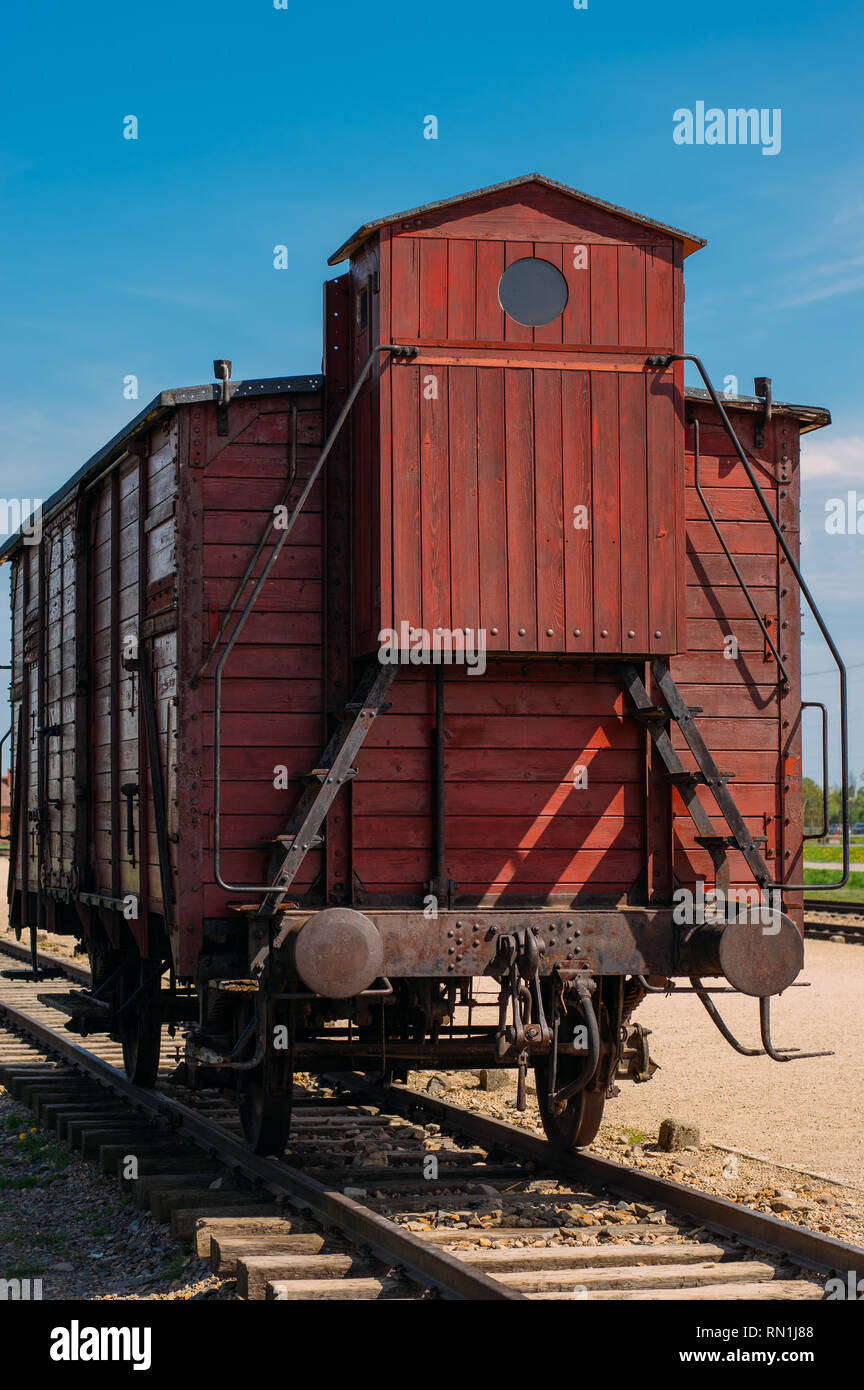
(114, 687)
(548, 486)
(464, 558)
(631, 296)
(362, 493)
(408, 548)
(552, 252)
(338, 668)
(433, 288)
(492, 507)
(461, 289)
(634, 522)
(662, 540)
(517, 332)
(435, 505)
(576, 268)
(604, 295)
(578, 510)
(405, 292)
(680, 408)
(382, 443)
(489, 319)
(659, 306)
(521, 555)
(606, 519)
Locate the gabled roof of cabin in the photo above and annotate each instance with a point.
(691, 243)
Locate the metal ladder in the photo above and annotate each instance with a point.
(655, 719)
(324, 783)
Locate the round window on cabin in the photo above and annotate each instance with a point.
(532, 291)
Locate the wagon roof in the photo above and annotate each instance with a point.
(811, 417)
(159, 409)
(691, 243)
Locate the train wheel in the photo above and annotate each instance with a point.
(580, 1120)
(264, 1097)
(141, 1033)
(577, 1123)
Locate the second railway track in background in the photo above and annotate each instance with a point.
(387, 1194)
(826, 918)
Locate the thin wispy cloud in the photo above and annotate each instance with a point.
(838, 459)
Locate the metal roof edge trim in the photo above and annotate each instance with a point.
(694, 243)
(813, 417)
(160, 407)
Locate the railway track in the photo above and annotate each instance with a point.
(388, 1194)
(827, 918)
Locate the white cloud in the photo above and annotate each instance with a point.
(840, 459)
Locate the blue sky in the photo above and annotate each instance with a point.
(260, 126)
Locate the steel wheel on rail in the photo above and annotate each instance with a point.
(594, 1009)
(264, 1091)
(580, 1120)
(141, 1022)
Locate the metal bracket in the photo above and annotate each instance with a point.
(762, 388)
(222, 372)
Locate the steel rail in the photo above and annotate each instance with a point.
(46, 961)
(812, 1249)
(426, 1265)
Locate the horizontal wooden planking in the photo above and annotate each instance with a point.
(486, 696)
(505, 764)
(726, 470)
(712, 666)
(245, 528)
(276, 695)
(251, 763)
(276, 596)
(730, 506)
(735, 699)
(263, 661)
(729, 603)
(746, 538)
(501, 731)
(415, 797)
(271, 730)
(540, 868)
(707, 634)
(503, 832)
(714, 571)
(724, 734)
(746, 765)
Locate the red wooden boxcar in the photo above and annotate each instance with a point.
(333, 695)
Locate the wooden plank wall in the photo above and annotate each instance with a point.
(272, 690)
(517, 828)
(488, 462)
(741, 721)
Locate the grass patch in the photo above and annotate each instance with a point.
(852, 893)
(634, 1136)
(833, 854)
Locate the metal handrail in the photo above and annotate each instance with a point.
(666, 360)
(817, 704)
(397, 350)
